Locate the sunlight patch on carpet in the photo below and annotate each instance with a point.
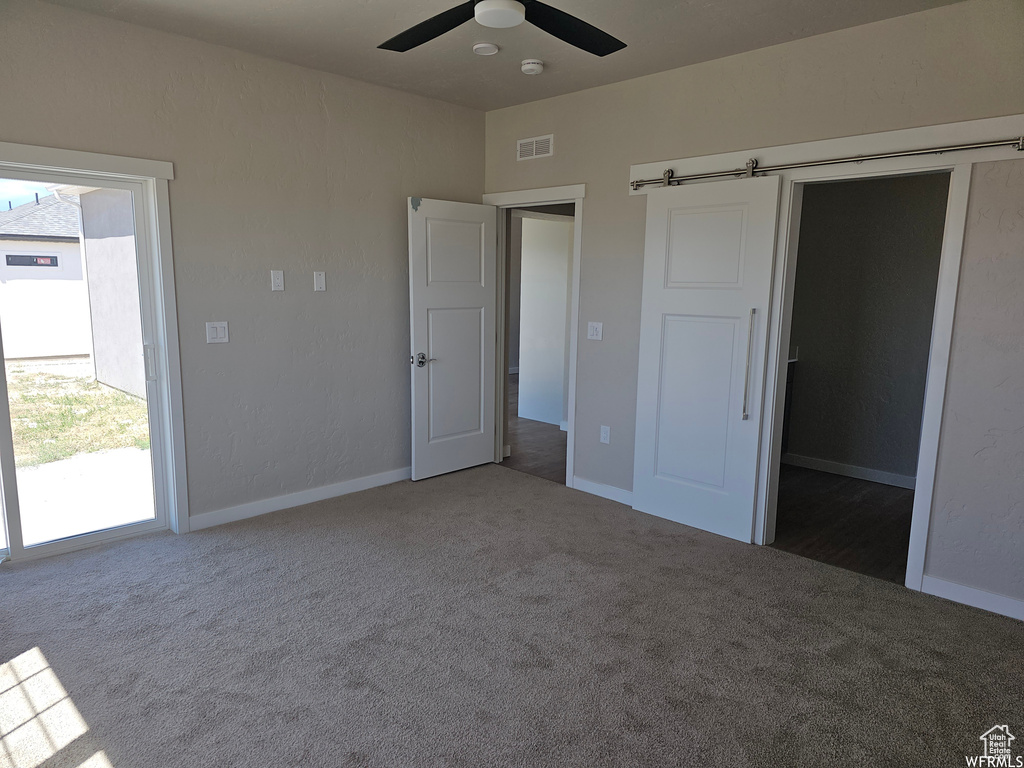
(37, 717)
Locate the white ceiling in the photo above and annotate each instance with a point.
(341, 36)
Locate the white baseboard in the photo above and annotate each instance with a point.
(289, 500)
(506, 451)
(849, 470)
(979, 598)
(514, 370)
(564, 426)
(602, 490)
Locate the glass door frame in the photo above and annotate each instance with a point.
(147, 181)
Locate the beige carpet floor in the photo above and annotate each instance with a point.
(486, 618)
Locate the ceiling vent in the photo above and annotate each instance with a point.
(538, 146)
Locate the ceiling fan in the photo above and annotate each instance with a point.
(500, 14)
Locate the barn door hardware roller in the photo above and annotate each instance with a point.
(669, 179)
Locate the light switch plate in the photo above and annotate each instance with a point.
(217, 333)
(606, 434)
(595, 331)
(277, 280)
(319, 281)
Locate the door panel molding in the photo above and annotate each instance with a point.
(456, 394)
(695, 398)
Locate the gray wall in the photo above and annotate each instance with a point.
(977, 527)
(901, 73)
(113, 277)
(276, 167)
(867, 269)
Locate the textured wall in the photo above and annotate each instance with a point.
(960, 62)
(277, 167)
(977, 527)
(862, 318)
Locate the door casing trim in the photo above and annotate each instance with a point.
(574, 193)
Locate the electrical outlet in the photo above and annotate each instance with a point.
(319, 281)
(276, 280)
(606, 434)
(595, 331)
(217, 333)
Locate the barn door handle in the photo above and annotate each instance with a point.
(746, 372)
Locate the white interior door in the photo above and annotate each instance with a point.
(453, 296)
(703, 338)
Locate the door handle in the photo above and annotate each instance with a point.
(746, 372)
(422, 360)
(149, 361)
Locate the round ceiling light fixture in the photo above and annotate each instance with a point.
(500, 14)
(485, 49)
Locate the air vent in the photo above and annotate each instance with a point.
(538, 146)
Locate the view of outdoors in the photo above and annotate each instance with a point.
(76, 442)
(71, 327)
(59, 410)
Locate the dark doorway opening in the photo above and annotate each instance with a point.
(863, 306)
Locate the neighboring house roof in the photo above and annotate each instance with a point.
(49, 219)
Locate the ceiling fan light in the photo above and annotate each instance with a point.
(500, 14)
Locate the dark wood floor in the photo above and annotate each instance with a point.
(854, 524)
(537, 448)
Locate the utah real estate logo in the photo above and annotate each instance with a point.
(998, 751)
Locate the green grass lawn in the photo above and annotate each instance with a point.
(55, 417)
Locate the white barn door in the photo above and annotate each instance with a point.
(707, 286)
(453, 297)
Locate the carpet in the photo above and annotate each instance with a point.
(488, 618)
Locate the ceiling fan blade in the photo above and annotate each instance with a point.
(427, 30)
(572, 30)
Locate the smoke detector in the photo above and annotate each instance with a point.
(485, 49)
(532, 66)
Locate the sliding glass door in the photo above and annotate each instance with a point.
(77, 448)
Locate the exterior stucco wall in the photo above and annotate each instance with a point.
(44, 311)
(277, 167)
(112, 272)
